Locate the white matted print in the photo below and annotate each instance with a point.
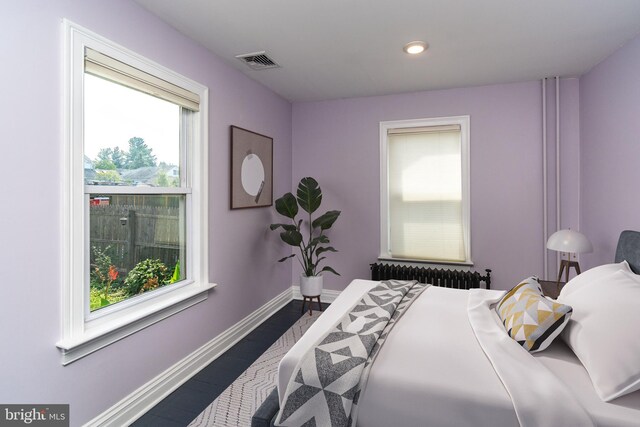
(251, 169)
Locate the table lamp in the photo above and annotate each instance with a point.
(571, 242)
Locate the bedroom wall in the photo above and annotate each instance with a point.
(610, 149)
(337, 142)
(242, 252)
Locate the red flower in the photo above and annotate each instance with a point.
(113, 273)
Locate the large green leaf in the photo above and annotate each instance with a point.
(326, 221)
(319, 239)
(309, 194)
(329, 269)
(176, 273)
(291, 237)
(322, 249)
(287, 206)
(288, 227)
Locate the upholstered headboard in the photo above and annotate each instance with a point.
(629, 249)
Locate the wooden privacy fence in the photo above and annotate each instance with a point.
(135, 233)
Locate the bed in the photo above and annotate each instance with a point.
(449, 362)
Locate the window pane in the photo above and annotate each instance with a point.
(137, 245)
(425, 196)
(130, 138)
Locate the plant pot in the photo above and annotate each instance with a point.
(311, 286)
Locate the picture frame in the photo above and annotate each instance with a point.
(251, 169)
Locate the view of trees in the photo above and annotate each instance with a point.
(109, 175)
(138, 156)
(114, 165)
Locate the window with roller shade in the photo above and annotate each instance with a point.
(132, 133)
(425, 190)
(135, 193)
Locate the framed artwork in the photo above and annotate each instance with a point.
(251, 169)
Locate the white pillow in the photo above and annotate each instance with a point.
(603, 332)
(593, 275)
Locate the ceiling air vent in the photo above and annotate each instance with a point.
(258, 61)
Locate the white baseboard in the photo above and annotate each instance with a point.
(143, 399)
(328, 295)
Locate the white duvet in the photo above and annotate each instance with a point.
(443, 366)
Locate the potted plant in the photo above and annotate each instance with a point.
(313, 246)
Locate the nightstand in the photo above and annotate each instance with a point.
(550, 288)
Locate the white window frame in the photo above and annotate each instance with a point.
(85, 332)
(464, 123)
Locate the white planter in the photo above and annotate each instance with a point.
(311, 286)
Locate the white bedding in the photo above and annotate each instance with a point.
(621, 412)
(426, 373)
(539, 398)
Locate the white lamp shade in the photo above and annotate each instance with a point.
(569, 241)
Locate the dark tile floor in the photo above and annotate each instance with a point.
(184, 404)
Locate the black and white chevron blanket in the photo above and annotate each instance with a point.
(330, 377)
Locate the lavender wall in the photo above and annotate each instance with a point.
(338, 143)
(242, 253)
(610, 150)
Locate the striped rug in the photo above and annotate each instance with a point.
(237, 404)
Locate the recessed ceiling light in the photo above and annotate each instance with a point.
(415, 47)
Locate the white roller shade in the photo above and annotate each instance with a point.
(103, 66)
(425, 193)
(424, 129)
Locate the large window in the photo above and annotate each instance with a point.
(425, 190)
(136, 205)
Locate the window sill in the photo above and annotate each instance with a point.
(422, 262)
(94, 339)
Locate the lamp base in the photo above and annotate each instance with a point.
(565, 265)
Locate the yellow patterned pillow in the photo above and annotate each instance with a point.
(531, 319)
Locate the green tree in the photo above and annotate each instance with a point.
(110, 158)
(139, 155)
(119, 157)
(105, 164)
(109, 176)
(104, 159)
(161, 179)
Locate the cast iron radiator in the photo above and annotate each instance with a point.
(458, 279)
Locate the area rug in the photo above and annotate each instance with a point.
(237, 404)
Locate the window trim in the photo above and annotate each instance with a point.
(83, 334)
(465, 126)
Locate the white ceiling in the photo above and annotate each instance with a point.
(346, 48)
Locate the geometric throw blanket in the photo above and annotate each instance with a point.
(326, 386)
